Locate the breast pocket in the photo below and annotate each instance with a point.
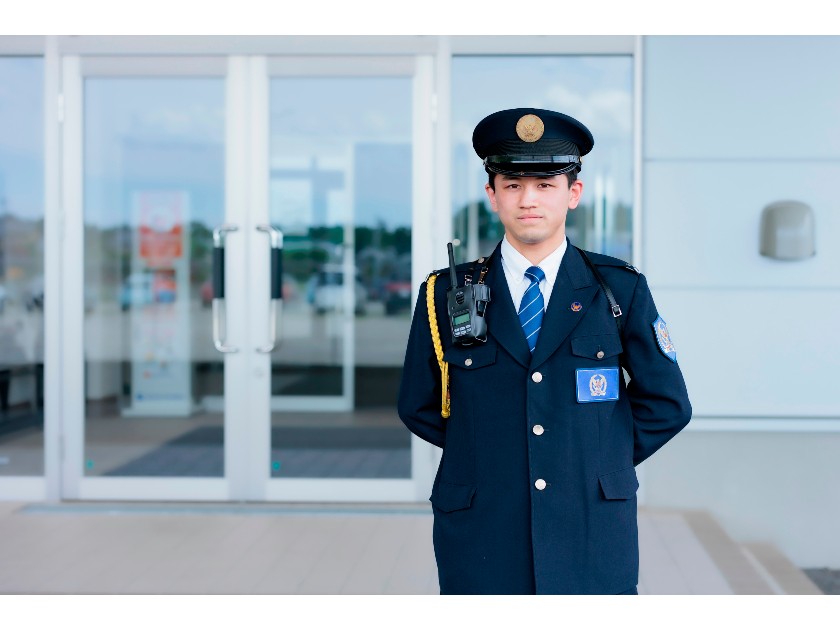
(596, 371)
(471, 357)
(597, 347)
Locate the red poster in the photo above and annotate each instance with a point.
(161, 215)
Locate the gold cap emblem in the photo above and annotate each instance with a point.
(530, 128)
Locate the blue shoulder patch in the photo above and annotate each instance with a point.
(663, 338)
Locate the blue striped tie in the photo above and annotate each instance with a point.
(532, 307)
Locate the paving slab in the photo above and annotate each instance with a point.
(189, 548)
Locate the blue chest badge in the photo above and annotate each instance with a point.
(663, 338)
(597, 385)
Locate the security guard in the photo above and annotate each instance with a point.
(536, 489)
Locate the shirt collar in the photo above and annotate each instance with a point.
(517, 263)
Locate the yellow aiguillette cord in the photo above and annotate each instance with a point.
(433, 326)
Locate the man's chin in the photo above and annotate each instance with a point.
(531, 238)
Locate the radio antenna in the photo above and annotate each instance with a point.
(453, 279)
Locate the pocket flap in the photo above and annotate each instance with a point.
(448, 497)
(589, 347)
(621, 484)
(472, 357)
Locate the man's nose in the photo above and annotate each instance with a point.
(529, 196)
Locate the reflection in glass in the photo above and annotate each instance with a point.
(598, 91)
(340, 160)
(21, 266)
(153, 192)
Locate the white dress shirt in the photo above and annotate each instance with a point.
(515, 265)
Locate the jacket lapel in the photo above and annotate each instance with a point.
(574, 284)
(502, 320)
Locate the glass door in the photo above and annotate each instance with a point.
(145, 149)
(238, 276)
(342, 167)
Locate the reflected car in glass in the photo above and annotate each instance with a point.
(327, 290)
(397, 296)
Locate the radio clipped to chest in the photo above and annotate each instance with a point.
(466, 305)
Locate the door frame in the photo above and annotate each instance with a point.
(247, 401)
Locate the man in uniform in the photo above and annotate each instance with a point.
(536, 489)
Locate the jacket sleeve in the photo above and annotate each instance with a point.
(657, 392)
(420, 388)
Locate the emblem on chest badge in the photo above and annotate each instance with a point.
(576, 306)
(598, 385)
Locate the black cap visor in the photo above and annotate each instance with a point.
(531, 165)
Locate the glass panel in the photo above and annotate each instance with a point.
(341, 191)
(598, 91)
(21, 266)
(153, 192)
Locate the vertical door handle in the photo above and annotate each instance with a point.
(276, 303)
(219, 310)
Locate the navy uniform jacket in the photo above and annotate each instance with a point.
(494, 531)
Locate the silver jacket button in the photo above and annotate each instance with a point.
(538, 429)
(468, 362)
(539, 484)
(600, 354)
(536, 377)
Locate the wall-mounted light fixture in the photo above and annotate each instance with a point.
(787, 231)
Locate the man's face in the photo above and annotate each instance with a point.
(533, 209)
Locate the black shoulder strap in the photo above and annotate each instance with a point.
(485, 265)
(614, 307)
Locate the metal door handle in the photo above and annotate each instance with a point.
(276, 303)
(219, 311)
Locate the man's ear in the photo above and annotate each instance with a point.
(575, 193)
(491, 195)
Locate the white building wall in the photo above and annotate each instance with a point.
(731, 124)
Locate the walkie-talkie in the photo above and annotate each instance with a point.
(466, 306)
